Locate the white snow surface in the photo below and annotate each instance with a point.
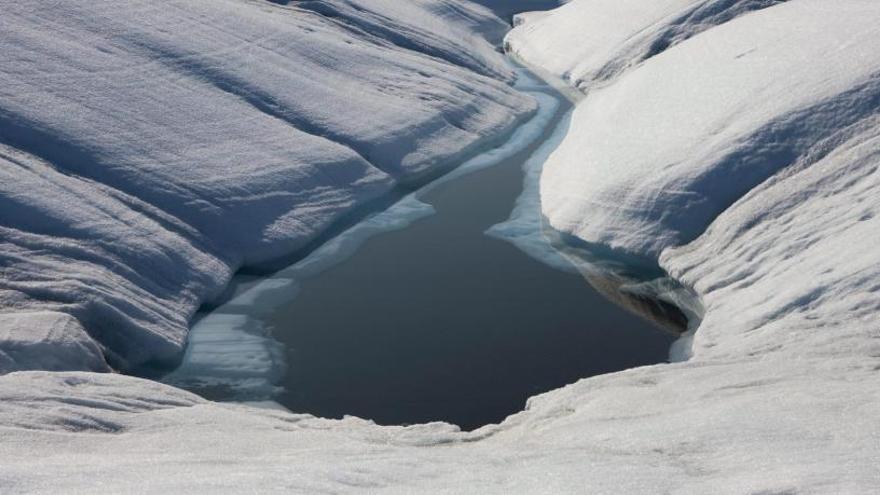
(590, 42)
(149, 149)
(769, 121)
(658, 154)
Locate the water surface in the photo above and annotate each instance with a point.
(440, 322)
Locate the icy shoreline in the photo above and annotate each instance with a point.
(149, 152)
(642, 289)
(229, 348)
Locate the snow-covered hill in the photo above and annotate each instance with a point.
(736, 142)
(654, 157)
(147, 149)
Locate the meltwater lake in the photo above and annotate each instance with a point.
(438, 321)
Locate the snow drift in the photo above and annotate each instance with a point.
(148, 150)
(657, 155)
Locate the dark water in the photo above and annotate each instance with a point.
(441, 322)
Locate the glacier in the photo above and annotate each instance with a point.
(148, 151)
(735, 144)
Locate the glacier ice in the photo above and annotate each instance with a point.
(149, 150)
(743, 157)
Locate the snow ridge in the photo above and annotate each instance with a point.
(149, 150)
(613, 37)
(654, 172)
(743, 157)
(412, 26)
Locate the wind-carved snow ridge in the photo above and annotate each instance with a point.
(231, 354)
(149, 150)
(654, 172)
(412, 25)
(606, 38)
(694, 20)
(700, 17)
(656, 156)
(745, 158)
(798, 252)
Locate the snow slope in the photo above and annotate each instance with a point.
(658, 154)
(590, 42)
(780, 394)
(149, 149)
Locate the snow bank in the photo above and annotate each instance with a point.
(148, 150)
(47, 341)
(745, 156)
(590, 42)
(450, 30)
(799, 252)
(657, 155)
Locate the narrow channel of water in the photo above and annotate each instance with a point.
(433, 322)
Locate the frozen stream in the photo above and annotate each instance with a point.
(416, 315)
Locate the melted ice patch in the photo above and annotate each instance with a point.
(231, 353)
